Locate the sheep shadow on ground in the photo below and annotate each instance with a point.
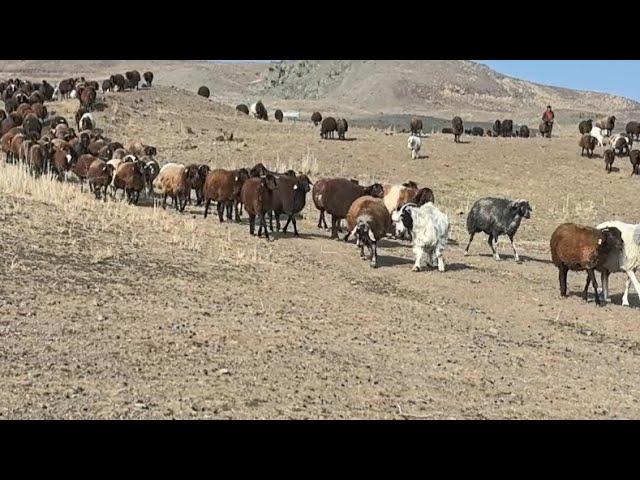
(616, 299)
(511, 257)
(614, 170)
(463, 142)
(350, 139)
(454, 267)
(392, 261)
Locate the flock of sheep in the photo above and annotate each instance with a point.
(48, 145)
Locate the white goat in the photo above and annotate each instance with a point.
(414, 143)
(628, 262)
(429, 229)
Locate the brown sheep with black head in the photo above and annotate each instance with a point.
(224, 187)
(257, 196)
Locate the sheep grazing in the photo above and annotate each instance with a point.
(545, 128)
(99, 177)
(415, 127)
(597, 133)
(495, 217)
(606, 125)
(341, 126)
(327, 127)
(477, 132)
(197, 176)
(368, 220)
(620, 143)
(242, 108)
(130, 177)
(633, 129)
(447, 130)
(133, 77)
(627, 262)
(335, 196)
(414, 144)
(634, 157)
(429, 230)
(257, 196)
(174, 180)
(585, 126)
(290, 198)
(523, 132)
(278, 115)
(458, 128)
(258, 111)
(148, 78)
(588, 143)
(204, 92)
(224, 187)
(316, 118)
(577, 247)
(609, 158)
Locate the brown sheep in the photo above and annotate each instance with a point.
(242, 108)
(61, 163)
(257, 196)
(609, 158)
(99, 176)
(336, 195)
(224, 187)
(606, 124)
(577, 247)
(458, 128)
(81, 167)
(369, 220)
(204, 92)
(130, 177)
(289, 199)
(95, 146)
(197, 176)
(88, 98)
(588, 143)
(40, 157)
(634, 157)
(173, 181)
(327, 127)
(316, 118)
(141, 150)
(416, 126)
(633, 129)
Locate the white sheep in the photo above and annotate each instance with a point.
(429, 229)
(628, 262)
(414, 143)
(597, 133)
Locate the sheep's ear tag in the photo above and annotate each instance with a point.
(236, 178)
(599, 241)
(295, 187)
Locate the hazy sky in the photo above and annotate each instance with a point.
(620, 77)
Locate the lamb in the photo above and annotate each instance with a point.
(100, 176)
(369, 220)
(621, 143)
(495, 217)
(585, 126)
(633, 129)
(327, 127)
(133, 77)
(588, 143)
(289, 198)
(242, 108)
(130, 177)
(458, 128)
(316, 118)
(609, 158)
(606, 124)
(148, 78)
(429, 229)
(628, 261)
(278, 115)
(197, 176)
(257, 196)
(597, 133)
(204, 92)
(634, 157)
(335, 196)
(577, 247)
(224, 187)
(341, 127)
(258, 111)
(416, 126)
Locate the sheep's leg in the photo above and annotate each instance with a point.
(592, 275)
(207, 204)
(625, 296)
(271, 220)
(263, 223)
(334, 226)
(492, 245)
(439, 257)
(237, 207)
(636, 286)
(352, 232)
(513, 245)
(466, 250)
(418, 252)
(164, 201)
(252, 220)
(373, 248)
(220, 207)
(295, 226)
(562, 276)
(277, 223)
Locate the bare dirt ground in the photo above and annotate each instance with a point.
(115, 311)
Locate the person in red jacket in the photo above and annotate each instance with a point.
(548, 115)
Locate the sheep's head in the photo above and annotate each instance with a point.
(259, 170)
(610, 240)
(363, 233)
(375, 190)
(410, 184)
(149, 150)
(203, 170)
(269, 181)
(402, 218)
(303, 182)
(522, 208)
